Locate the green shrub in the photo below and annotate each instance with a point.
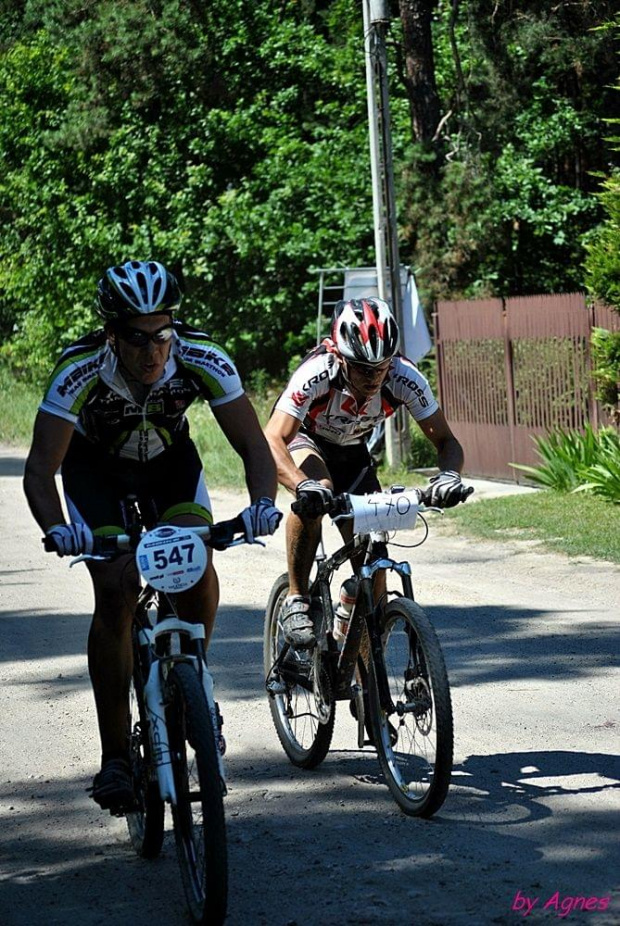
(603, 476)
(606, 366)
(575, 461)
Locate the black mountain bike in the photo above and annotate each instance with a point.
(174, 724)
(389, 666)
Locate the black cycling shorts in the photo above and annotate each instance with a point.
(350, 467)
(95, 485)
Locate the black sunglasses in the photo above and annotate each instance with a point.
(138, 338)
(368, 371)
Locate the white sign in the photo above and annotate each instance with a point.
(384, 511)
(171, 559)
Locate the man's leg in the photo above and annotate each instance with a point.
(110, 667)
(302, 540)
(200, 602)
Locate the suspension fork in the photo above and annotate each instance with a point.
(373, 612)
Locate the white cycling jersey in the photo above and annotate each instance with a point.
(87, 388)
(318, 395)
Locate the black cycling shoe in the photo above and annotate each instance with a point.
(112, 787)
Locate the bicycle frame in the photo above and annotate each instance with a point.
(364, 612)
(154, 669)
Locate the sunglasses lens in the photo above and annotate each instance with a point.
(369, 372)
(140, 338)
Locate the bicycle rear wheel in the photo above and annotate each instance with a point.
(199, 825)
(146, 824)
(414, 744)
(303, 712)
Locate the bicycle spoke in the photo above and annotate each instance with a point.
(415, 742)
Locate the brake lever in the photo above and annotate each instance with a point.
(89, 557)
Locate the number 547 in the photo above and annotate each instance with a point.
(174, 557)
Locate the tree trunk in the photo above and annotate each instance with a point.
(419, 70)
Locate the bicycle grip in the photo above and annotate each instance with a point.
(223, 533)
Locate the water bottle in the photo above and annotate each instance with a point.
(342, 615)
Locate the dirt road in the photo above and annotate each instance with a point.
(531, 643)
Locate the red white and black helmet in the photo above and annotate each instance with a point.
(137, 288)
(364, 330)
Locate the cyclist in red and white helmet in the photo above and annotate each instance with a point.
(320, 424)
(113, 420)
(365, 331)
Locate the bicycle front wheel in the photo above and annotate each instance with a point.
(198, 816)
(303, 711)
(415, 743)
(146, 823)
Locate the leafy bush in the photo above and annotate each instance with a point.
(575, 461)
(606, 366)
(603, 477)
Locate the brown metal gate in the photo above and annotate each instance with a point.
(509, 370)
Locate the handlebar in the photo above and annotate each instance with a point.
(340, 505)
(219, 536)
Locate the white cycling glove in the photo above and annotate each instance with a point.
(260, 519)
(446, 489)
(71, 539)
(314, 496)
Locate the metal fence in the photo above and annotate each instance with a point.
(509, 370)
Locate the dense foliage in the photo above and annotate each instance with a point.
(575, 461)
(229, 140)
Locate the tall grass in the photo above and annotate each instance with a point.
(19, 407)
(222, 466)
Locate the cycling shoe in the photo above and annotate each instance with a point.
(112, 787)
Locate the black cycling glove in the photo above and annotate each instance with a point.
(314, 497)
(446, 489)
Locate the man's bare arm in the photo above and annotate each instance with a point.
(50, 442)
(449, 450)
(241, 426)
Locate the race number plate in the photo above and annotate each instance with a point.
(384, 511)
(171, 559)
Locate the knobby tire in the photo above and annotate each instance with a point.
(145, 825)
(415, 749)
(305, 740)
(198, 817)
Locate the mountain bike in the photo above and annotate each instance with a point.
(174, 723)
(387, 662)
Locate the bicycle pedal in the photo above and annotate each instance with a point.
(276, 687)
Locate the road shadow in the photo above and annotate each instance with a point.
(481, 645)
(333, 851)
(12, 465)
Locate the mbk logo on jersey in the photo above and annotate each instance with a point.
(74, 379)
(208, 358)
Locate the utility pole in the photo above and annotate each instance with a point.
(376, 20)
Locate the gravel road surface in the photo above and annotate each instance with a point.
(531, 643)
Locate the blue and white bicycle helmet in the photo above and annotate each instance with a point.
(137, 288)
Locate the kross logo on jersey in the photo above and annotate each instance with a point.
(299, 398)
